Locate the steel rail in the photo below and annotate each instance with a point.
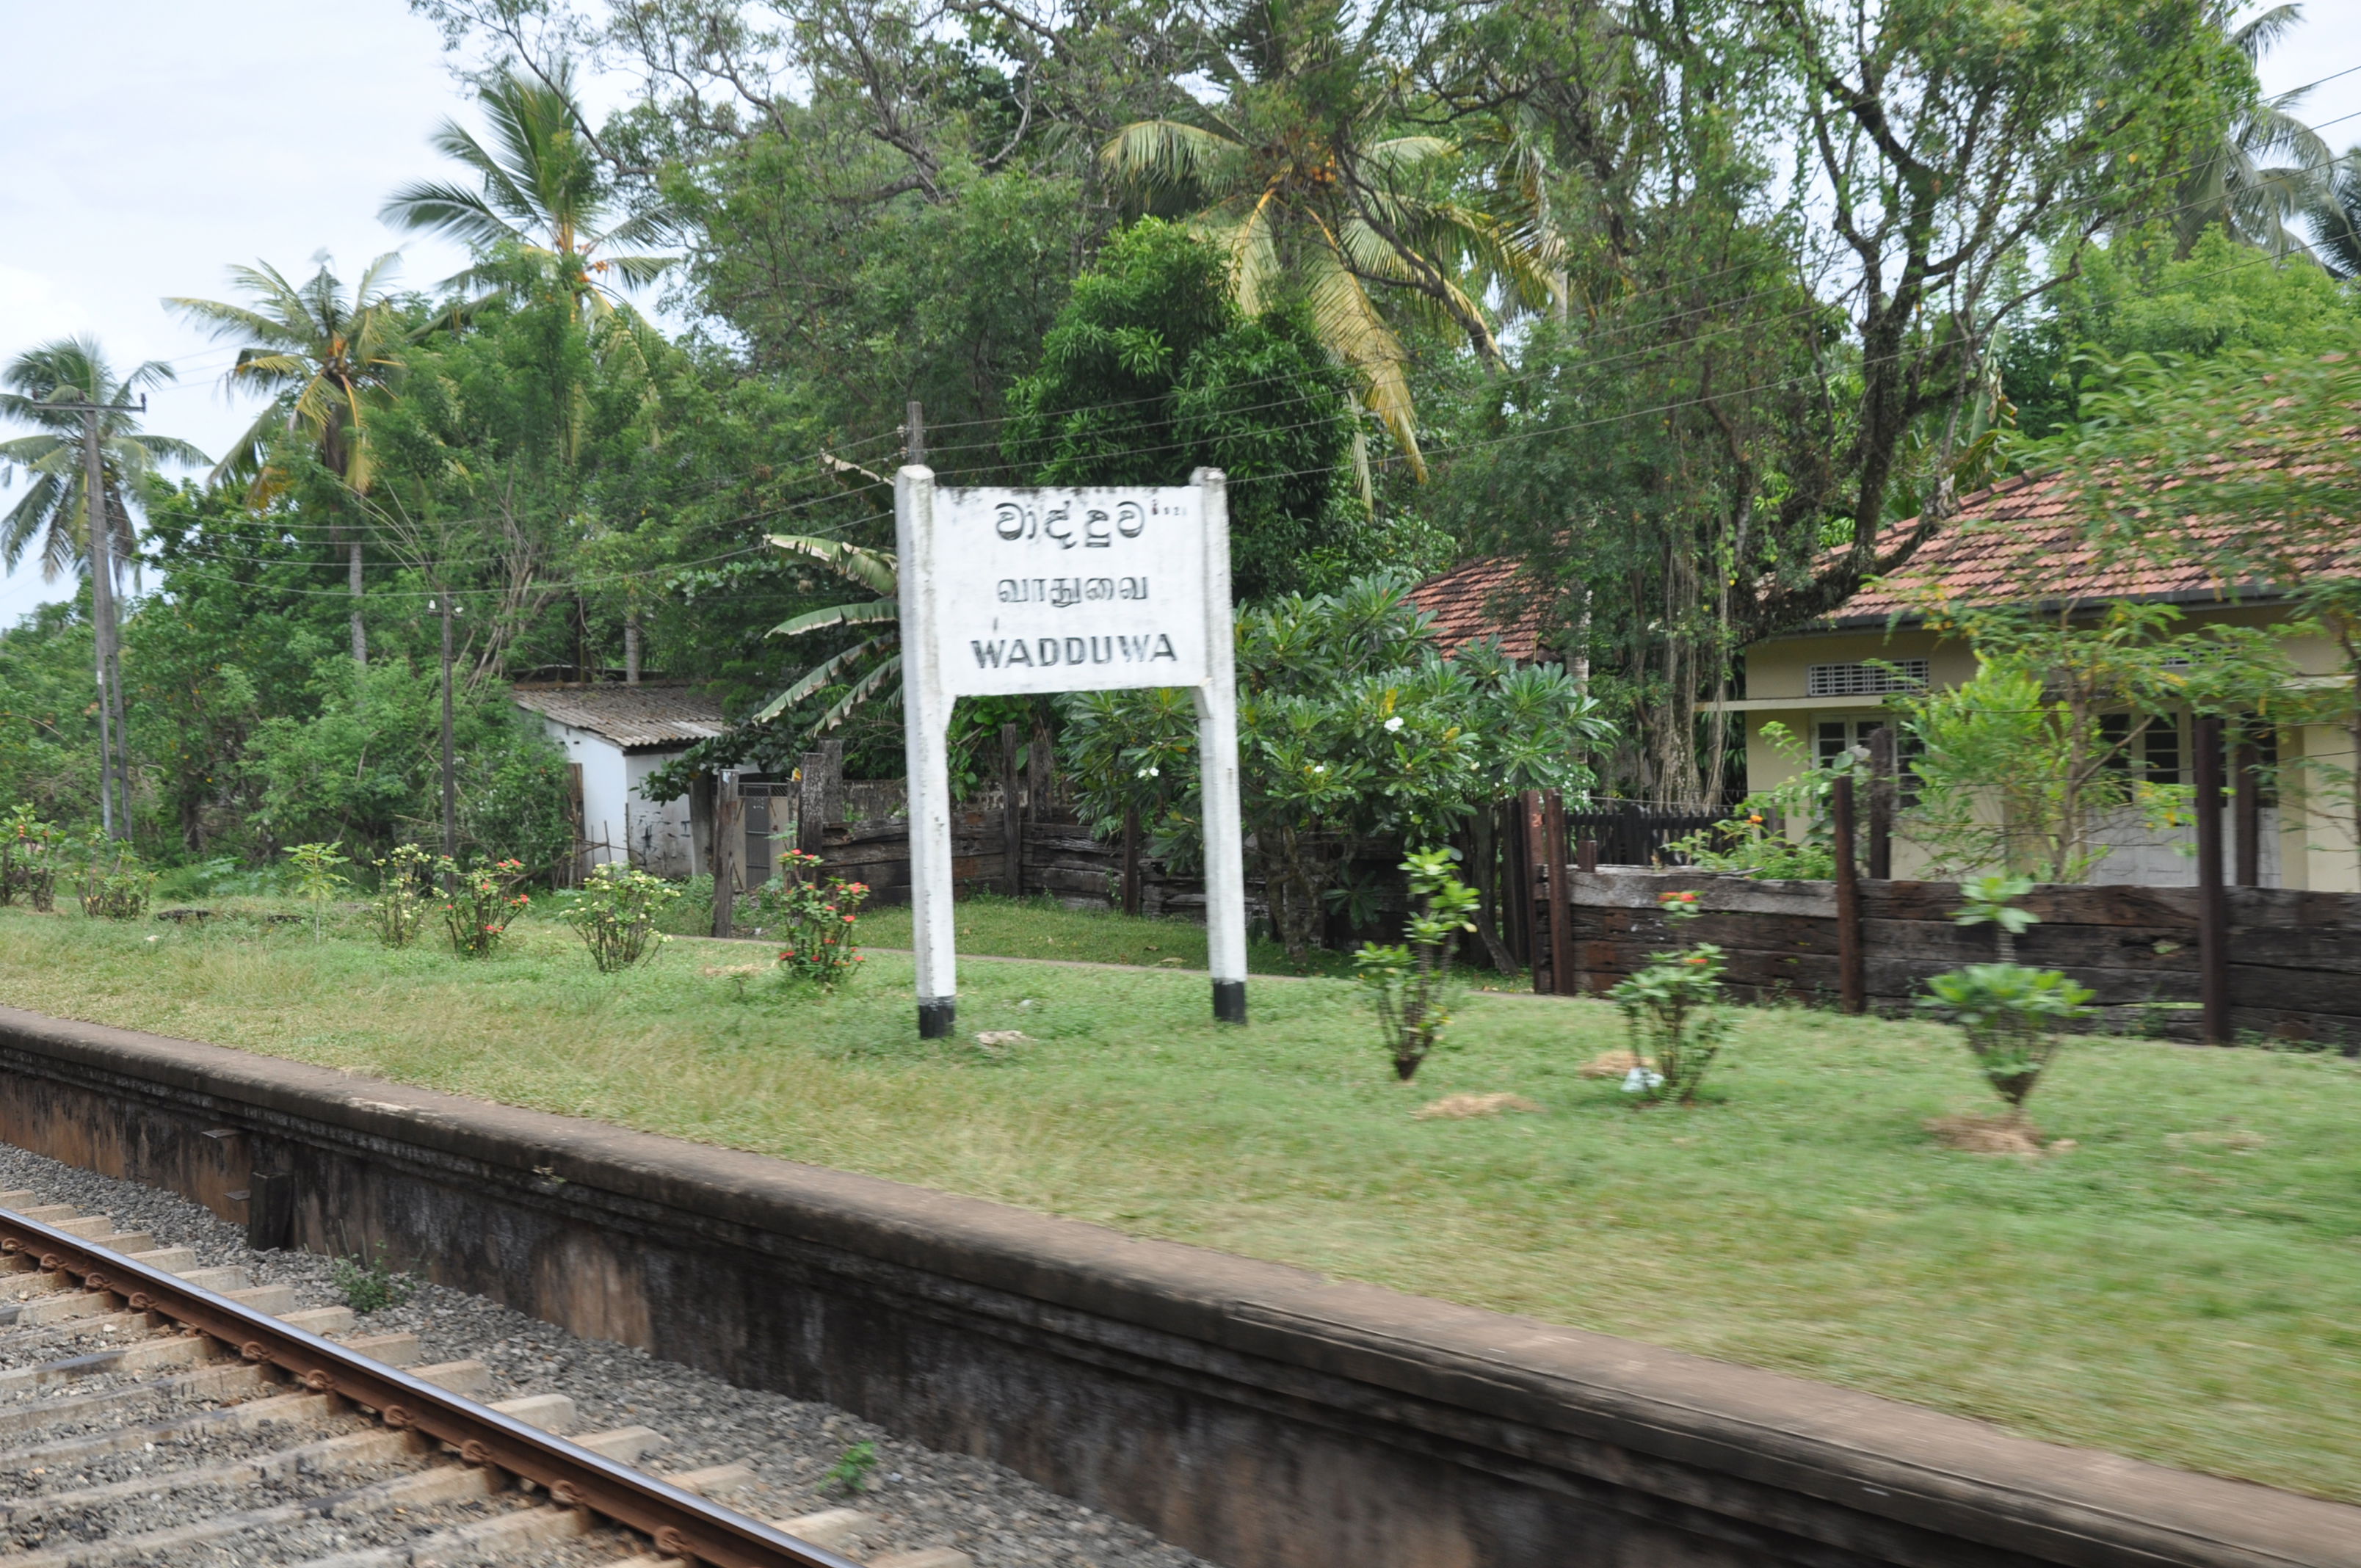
(681, 1523)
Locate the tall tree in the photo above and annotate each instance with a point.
(322, 359)
(1313, 180)
(541, 190)
(2232, 185)
(1766, 367)
(83, 463)
(54, 507)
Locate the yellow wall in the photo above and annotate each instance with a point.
(2316, 844)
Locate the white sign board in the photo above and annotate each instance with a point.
(1012, 591)
(1069, 590)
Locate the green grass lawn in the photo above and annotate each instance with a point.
(1042, 928)
(2184, 1285)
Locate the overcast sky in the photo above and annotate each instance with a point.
(239, 130)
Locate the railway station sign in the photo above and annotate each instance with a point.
(1007, 592)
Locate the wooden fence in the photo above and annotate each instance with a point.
(2294, 957)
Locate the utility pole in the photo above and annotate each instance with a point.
(114, 745)
(450, 784)
(914, 430)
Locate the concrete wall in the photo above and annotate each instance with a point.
(1259, 1415)
(614, 813)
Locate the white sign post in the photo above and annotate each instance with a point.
(1007, 591)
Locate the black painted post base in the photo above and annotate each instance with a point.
(935, 1018)
(1229, 1002)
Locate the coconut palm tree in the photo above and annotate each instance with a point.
(45, 386)
(320, 358)
(2335, 218)
(54, 508)
(2232, 185)
(323, 360)
(541, 190)
(1304, 177)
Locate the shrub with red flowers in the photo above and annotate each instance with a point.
(1672, 1010)
(478, 900)
(814, 920)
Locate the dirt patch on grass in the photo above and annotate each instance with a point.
(1613, 1064)
(1995, 1134)
(1459, 1107)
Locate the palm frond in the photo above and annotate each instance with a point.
(639, 271)
(438, 208)
(1347, 321)
(874, 569)
(875, 612)
(507, 174)
(821, 676)
(1163, 154)
(868, 687)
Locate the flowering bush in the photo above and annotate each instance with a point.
(479, 902)
(615, 914)
(399, 910)
(28, 858)
(815, 922)
(1669, 1008)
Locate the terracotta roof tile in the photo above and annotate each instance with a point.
(2025, 541)
(637, 718)
(1485, 598)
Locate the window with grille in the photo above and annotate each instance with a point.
(1832, 737)
(2148, 749)
(1866, 679)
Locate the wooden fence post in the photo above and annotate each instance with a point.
(819, 801)
(1880, 804)
(2247, 806)
(1528, 886)
(2212, 899)
(1131, 873)
(1561, 895)
(1011, 813)
(1852, 990)
(1586, 856)
(728, 848)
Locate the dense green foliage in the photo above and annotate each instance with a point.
(1151, 371)
(1351, 726)
(1534, 277)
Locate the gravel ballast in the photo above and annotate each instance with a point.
(798, 1452)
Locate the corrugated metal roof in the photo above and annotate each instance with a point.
(637, 718)
(1485, 598)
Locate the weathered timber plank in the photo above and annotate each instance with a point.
(2325, 950)
(1626, 889)
(2305, 990)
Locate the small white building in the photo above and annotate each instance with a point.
(614, 736)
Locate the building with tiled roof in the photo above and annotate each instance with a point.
(1833, 684)
(1487, 599)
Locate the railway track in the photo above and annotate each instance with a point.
(155, 1413)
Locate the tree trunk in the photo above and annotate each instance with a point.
(353, 577)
